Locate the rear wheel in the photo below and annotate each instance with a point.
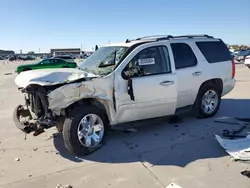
(208, 101)
(84, 130)
(248, 66)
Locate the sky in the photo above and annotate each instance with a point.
(39, 25)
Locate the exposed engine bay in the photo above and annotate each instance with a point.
(35, 114)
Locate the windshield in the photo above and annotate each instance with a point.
(103, 61)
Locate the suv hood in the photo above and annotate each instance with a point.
(46, 77)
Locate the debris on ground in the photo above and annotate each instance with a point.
(53, 136)
(66, 186)
(239, 149)
(229, 120)
(173, 185)
(9, 73)
(131, 130)
(234, 133)
(246, 173)
(35, 149)
(17, 159)
(243, 119)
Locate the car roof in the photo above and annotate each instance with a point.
(157, 38)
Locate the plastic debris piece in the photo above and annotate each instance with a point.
(246, 173)
(239, 149)
(173, 185)
(229, 120)
(17, 159)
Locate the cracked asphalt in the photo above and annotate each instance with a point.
(157, 154)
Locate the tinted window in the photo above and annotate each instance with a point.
(47, 61)
(61, 61)
(150, 61)
(64, 57)
(183, 55)
(55, 61)
(215, 51)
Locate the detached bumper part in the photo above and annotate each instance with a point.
(25, 126)
(21, 112)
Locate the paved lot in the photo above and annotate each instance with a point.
(158, 154)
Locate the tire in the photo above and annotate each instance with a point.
(71, 125)
(59, 123)
(248, 66)
(199, 105)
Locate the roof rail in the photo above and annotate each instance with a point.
(166, 37)
(152, 38)
(193, 36)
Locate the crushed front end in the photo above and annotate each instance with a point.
(34, 115)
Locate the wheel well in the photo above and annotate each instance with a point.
(99, 103)
(216, 81)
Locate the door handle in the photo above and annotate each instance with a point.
(198, 73)
(166, 83)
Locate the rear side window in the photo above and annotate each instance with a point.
(183, 55)
(215, 51)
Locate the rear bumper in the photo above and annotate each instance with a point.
(228, 86)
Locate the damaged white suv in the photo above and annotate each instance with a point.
(138, 79)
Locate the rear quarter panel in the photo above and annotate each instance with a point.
(222, 70)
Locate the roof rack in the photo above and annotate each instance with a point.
(151, 38)
(167, 37)
(193, 36)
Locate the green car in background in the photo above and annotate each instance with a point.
(47, 63)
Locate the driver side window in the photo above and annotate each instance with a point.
(150, 61)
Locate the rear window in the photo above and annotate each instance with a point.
(214, 51)
(183, 55)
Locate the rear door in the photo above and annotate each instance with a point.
(153, 91)
(189, 72)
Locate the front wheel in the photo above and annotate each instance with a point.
(84, 130)
(208, 101)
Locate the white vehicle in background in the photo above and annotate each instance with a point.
(134, 80)
(247, 61)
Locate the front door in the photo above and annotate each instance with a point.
(153, 92)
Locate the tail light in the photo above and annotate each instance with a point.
(233, 69)
(248, 57)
